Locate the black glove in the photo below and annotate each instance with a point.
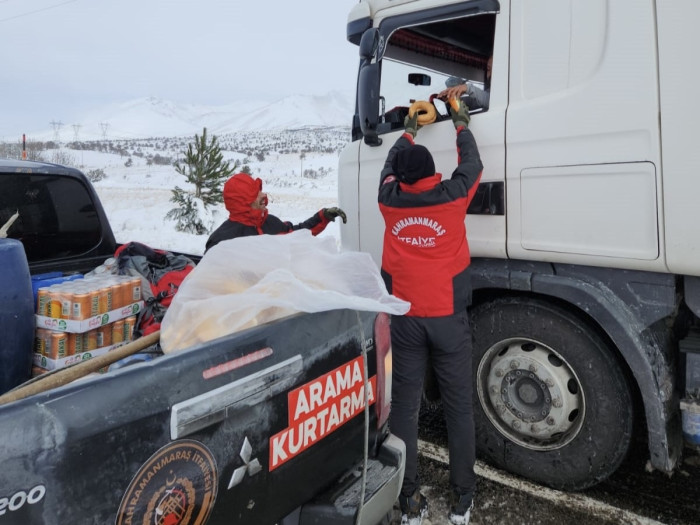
(411, 124)
(332, 213)
(460, 117)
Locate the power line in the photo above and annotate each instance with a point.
(104, 126)
(56, 129)
(37, 11)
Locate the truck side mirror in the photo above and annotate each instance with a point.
(368, 102)
(368, 44)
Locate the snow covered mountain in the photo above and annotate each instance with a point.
(154, 117)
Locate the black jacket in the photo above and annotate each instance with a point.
(272, 226)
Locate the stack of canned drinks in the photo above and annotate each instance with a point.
(82, 299)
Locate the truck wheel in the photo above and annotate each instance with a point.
(552, 403)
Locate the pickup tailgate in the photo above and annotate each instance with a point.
(239, 430)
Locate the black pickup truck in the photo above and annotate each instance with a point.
(267, 425)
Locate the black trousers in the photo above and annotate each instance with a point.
(447, 343)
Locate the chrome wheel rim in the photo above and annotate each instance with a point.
(531, 394)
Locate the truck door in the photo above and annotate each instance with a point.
(416, 54)
(583, 184)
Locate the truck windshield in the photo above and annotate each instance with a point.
(453, 50)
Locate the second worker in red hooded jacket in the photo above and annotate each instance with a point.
(248, 215)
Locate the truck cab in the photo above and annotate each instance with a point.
(581, 232)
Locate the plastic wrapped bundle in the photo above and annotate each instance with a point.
(248, 281)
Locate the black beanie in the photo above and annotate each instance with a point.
(412, 164)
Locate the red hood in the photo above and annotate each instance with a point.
(240, 191)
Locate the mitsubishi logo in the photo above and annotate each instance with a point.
(252, 466)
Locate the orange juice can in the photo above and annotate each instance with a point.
(117, 295)
(55, 306)
(129, 326)
(42, 301)
(82, 307)
(40, 341)
(110, 297)
(90, 340)
(94, 302)
(59, 345)
(125, 285)
(45, 334)
(104, 336)
(64, 301)
(104, 298)
(135, 289)
(75, 344)
(118, 332)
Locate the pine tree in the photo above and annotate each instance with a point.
(205, 168)
(186, 214)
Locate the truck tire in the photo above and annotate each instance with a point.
(551, 402)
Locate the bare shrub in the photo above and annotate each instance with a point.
(96, 175)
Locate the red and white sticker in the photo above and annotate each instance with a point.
(319, 407)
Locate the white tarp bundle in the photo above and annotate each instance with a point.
(248, 281)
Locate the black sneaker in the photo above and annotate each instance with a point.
(460, 509)
(413, 508)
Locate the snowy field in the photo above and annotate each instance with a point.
(137, 198)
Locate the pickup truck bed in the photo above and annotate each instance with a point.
(267, 425)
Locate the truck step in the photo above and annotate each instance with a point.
(338, 505)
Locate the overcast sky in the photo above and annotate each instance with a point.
(61, 57)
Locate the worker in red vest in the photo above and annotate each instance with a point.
(425, 261)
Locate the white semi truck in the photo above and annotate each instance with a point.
(585, 229)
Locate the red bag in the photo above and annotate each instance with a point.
(161, 274)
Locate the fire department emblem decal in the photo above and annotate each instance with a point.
(176, 486)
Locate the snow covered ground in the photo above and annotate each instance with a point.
(137, 198)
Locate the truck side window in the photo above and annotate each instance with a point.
(456, 49)
(57, 216)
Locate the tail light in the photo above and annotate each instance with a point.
(382, 339)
